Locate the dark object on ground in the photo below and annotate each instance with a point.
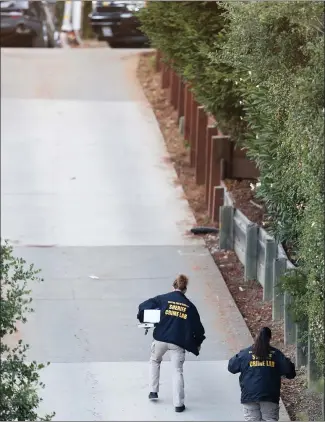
(27, 24)
(153, 396)
(180, 409)
(204, 230)
(116, 23)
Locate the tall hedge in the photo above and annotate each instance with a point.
(187, 32)
(277, 50)
(259, 68)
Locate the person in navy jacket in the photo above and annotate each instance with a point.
(179, 330)
(261, 367)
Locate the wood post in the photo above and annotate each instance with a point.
(201, 139)
(187, 113)
(193, 123)
(279, 268)
(173, 94)
(220, 148)
(302, 344)
(217, 203)
(158, 61)
(289, 324)
(314, 373)
(181, 125)
(251, 252)
(226, 228)
(165, 76)
(211, 131)
(181, 98)
(270, 256)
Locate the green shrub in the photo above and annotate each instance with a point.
(258, 67)
(19, 381)
(187, 32)
(277, 50)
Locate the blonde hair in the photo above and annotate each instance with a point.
(181, 282)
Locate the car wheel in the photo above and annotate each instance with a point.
(25, 42)
(113, 43)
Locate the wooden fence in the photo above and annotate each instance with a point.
(213, 154)
(215, 158)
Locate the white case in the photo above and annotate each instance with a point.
(151, 315)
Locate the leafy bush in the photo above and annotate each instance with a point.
(187, 32)
(277, 50)
(258, 67)
(19, 381)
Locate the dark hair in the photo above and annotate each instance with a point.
(181, 283)
(261, 346)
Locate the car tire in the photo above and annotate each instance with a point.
(113, 43)
(25, 42)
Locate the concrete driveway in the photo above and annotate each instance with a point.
(88, 196)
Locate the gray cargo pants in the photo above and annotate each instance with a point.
(177, 357)
(261, 411)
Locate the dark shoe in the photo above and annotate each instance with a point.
(153, 396)
(180, 409)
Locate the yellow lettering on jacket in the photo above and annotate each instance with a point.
(177, 310)
(258, 363)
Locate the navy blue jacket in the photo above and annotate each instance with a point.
(180, 322)
(261, 380)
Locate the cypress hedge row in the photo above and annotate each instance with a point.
(258, 67)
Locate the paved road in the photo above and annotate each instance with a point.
(87, 191)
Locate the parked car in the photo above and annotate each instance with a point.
(27, 24)
(116, 22)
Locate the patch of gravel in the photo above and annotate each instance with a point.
(300, 403)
